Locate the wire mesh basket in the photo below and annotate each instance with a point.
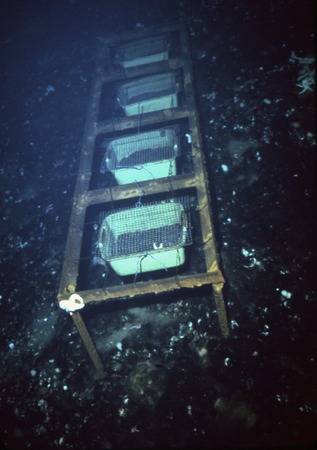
(143, 51)
(142, 156)
(146, 238)
(148, 94)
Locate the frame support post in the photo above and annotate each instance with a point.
(221, 309)
(89, 344)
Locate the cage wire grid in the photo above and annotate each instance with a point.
(146, 88)
(140, 149)
(152, 227)
(143, 51)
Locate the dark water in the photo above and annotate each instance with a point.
(171, 381)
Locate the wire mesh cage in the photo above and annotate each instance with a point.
(148, 94)
(147, 238)
(144, 51)
(142, 156)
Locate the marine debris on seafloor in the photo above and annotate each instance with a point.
(306, 74)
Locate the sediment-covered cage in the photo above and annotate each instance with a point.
(142, 156)
(143, 51)
(148, 94)
(146, 238)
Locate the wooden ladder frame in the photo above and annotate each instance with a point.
(84, 197)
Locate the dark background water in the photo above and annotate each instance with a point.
(171, 381)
